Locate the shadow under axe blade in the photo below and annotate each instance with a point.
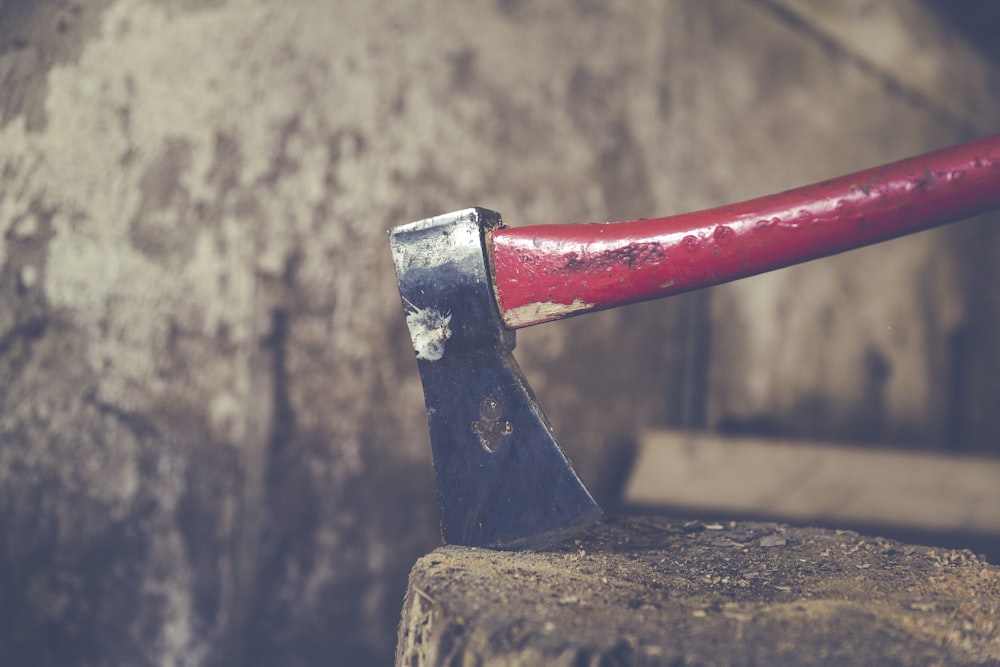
(467, 282)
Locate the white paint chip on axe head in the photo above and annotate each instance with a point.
(429, 329)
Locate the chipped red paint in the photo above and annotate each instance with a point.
(547, 272)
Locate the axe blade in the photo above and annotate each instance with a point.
(502, 480)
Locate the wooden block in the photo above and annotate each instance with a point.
(809, 481)
(652, 591)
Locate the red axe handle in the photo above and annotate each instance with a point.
(547, 272)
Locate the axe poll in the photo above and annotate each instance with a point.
(467, 282)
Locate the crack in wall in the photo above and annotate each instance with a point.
(890, 83)
(270, 422)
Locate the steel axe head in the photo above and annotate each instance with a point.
(502, 480)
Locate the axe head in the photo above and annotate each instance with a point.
(502, 480)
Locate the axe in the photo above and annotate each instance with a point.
(467, 282)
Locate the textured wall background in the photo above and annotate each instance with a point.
(212, 443)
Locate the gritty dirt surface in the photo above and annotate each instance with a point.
(654, 591)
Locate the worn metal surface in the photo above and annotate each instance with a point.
(548, 272)
(502, 480)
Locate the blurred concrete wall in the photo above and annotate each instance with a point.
(212, 441)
